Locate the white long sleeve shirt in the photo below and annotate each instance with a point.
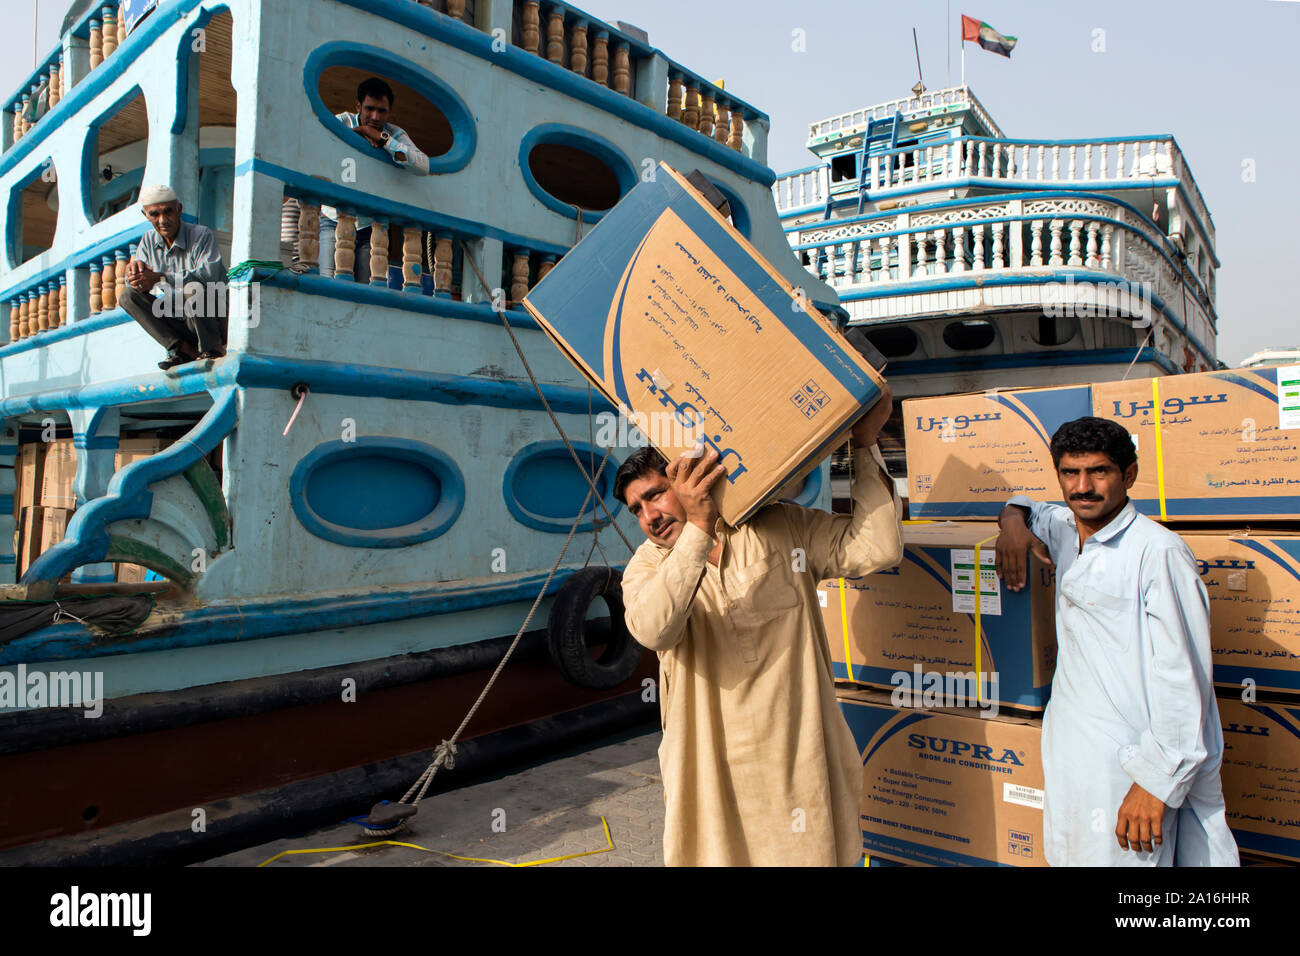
(412, 159)
(1132, 699)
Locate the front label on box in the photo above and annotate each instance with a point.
(1288, 396)
(1024, 796)
(964, 582)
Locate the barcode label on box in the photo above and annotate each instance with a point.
(1025, 796)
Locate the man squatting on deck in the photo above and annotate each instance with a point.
(375, 100)
(1132, 742)
(180, 261)
(758, 764)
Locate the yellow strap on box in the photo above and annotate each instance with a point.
(844, 624)
(979, 686)
(1160, 448)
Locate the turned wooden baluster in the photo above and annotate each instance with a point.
(622, 70)
(555, 34)
(977, 263)
(18, 121)
(674, 96)
(442, 265)
(309, 235)
(959, 249)
(42, 307)
(96, 297)
(456, 9)
(998, 261)
(109, 17)
(920, 253)
(722, 125)
(544, 268)
(691, 107)
(412, 255)
(108, 283)
(707, 107)
(63, 300)
(1054, 257)
(531, 30)
(14, 310)
(1106, 233)
(24, 314)
(345, 246)
(56, 93)
(1076, 257)
(737, 138)
(96, 45)
(379, 254)
(578, 48)
(600, 59)
(1036, 243)
(519, 277)
(1091, 260)
(119, 274)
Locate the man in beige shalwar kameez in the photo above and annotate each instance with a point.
(759, 767)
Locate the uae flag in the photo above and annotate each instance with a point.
(986, 36)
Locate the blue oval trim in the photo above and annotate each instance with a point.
(438, 92)
(553, 453)
(407, 457)
(564, 135)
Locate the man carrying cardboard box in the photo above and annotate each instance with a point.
(759, 766)
(1132, 741)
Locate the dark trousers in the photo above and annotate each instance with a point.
(206, 332)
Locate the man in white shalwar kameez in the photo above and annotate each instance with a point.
(759, 767)
(1132, 742)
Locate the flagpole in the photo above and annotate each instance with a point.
(963, 62)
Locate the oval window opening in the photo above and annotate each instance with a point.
(574, 176)
(36, 215)
(426, 125)
(118, 151)
(1054, 330)
(345, 492)
(543, 488)
(969, 335)
(894, 342)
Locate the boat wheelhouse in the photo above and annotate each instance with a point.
(975, 260)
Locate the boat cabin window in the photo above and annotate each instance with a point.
(894, 341)
(119, 146)
(1054, 330)
(574, 176)
(844, 167)
(35, 212)
(969, 335)
(424, 122)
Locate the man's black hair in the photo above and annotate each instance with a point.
(642, 462)
(375, 87)
(1089, 435)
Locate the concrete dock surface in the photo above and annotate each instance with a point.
(545, 811)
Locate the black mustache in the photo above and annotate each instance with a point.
(1086, 498)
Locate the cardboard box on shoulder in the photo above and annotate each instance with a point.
(1216, 446)
(947, 788)
(59, 474)
(676, 318)
(1253, 580)
(967, 454)
(913, 626)
(1261, 775)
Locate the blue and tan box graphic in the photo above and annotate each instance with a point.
(899, 626)
(675, 317)
(1261, 775)
(1214, 446)
(1253, 580)
(947, 787)
(967, 454)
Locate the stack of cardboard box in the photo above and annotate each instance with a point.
(128, 451)
(1214, 450)
(44, 499)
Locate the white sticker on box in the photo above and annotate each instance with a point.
(661, 380)
(963, 582)
(1288, 396)
(1025, 796)
(821, 598)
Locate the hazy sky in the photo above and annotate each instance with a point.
(1219, 76)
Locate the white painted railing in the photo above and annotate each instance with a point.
(1003, 237)
(857, 120)
(1067, 163)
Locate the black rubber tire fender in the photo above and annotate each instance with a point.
(568, 632)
